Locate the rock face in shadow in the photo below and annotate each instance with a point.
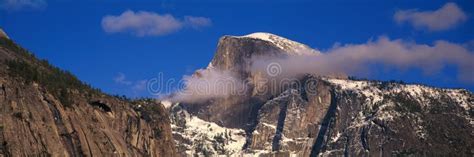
(326, 116)
(36, 120)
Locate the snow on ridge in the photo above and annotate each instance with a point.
(374, 91)
(292, 47)
(375, 94)
(166, 103)
(212, 129)
(197, 129)
(456, 94)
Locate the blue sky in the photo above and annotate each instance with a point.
(70, 34)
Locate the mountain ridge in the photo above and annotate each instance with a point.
(326, 116)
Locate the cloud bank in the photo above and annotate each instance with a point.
(356, 59)
(207, 84)
(197, 22)
(345, 60)
(444, 18)
(16, 5)
(143, 23)
(121, 79)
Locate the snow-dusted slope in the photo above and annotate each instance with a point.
(285, 44)
(422, 95)
(371, 90)
(420, 116)
(195, 136)
(364, 113)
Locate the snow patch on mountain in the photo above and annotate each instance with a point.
(285, 44)
(372, 94)
(166, 103)
(375, 91)
(200, 137)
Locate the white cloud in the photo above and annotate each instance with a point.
(444, 18)
(135, 87)
(197, 22)
(16, 5)
(140, 85)
(355, 59)
(207, 84)
(341, 60)
(143, 23)
(121, 79)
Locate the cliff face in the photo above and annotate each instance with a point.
(365, 118)
(290, 122)
(38, 120)
(234, 54)
(323, 116)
